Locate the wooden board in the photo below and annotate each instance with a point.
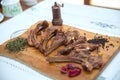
(33, 58)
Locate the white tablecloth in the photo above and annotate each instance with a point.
(94, 19)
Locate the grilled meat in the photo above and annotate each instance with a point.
(59, 40)
(33, 39)
(45, 37)
(71, 46)
(29, 39)
(79, 53)
(76, 48)
(84, 58)
(71, 36)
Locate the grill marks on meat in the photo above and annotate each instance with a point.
(71, 36)
(87, 46)
(45, 37)
(33, 39)
(79, 52)
(71, 46)
(76, 48)
(83, 57)
(42, 34)
(58, 41)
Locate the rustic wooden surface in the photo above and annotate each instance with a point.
(33, 58)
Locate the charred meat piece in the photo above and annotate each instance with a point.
(37, 32)
(45, 23)
(46, 35)
(46, 40)
(81, 39)
(59, 40)
(76, 48)
(86, 46)
(60, 59)
(93, 62)
(40, 36)
(88, 63)
(29, 39)
(40, 27)
(96, 61)
(80, 53)
(70, 47)
(71, 36)
(66, 50)
(87, 66)
(32, 37)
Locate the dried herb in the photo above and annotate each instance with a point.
(98, 40)
(111, 44)
(16, 45)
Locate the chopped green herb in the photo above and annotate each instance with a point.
(16, 45)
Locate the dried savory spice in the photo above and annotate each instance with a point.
(111, 44)
(84, 34)
(16, 45)
(117, 41)
(98, 40)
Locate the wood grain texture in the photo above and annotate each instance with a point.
(33, 58)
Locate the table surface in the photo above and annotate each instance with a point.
(94, 19)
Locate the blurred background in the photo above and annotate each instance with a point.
(114, 4)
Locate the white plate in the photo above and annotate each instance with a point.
(17, 33)
(1, 17)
